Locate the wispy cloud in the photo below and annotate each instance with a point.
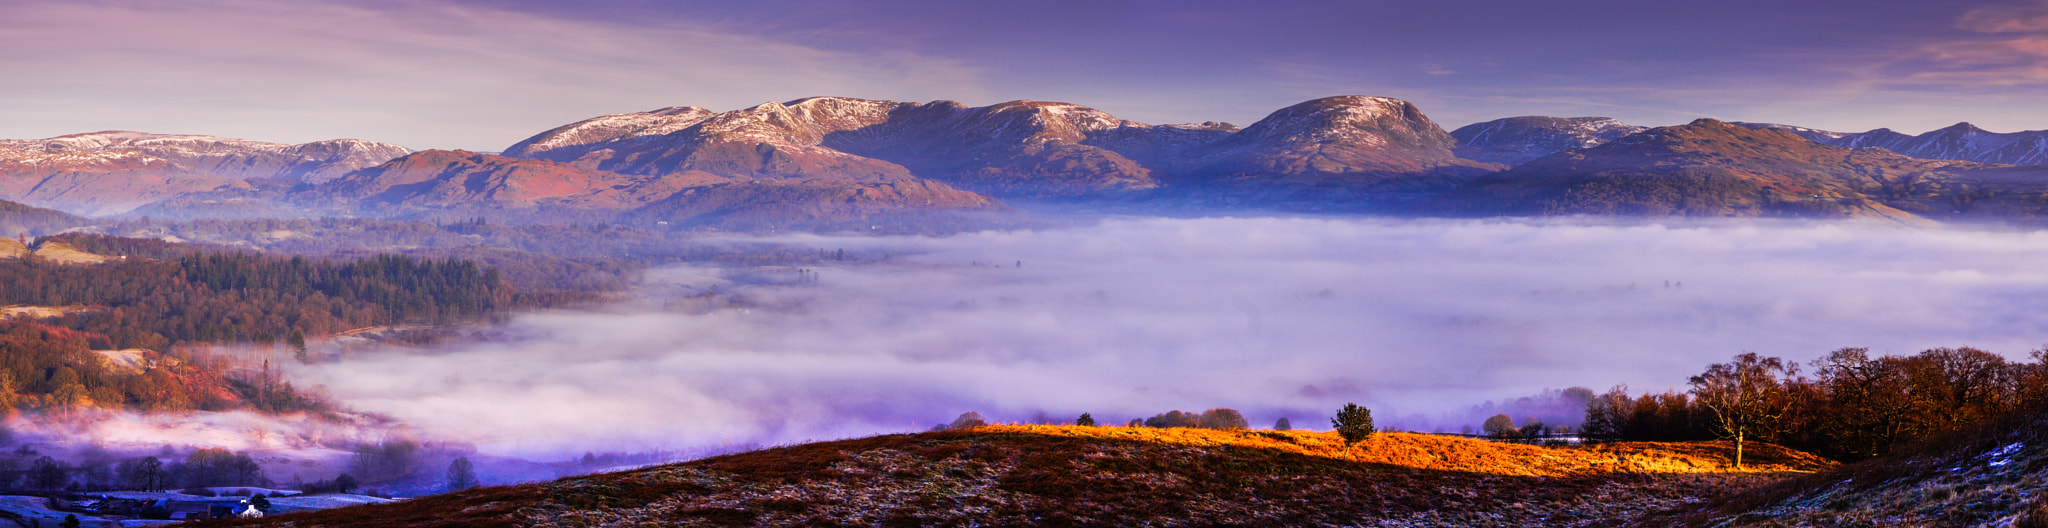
(2031, 17)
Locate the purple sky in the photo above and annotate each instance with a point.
(484, 74)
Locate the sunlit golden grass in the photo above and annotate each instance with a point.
(1452, 453)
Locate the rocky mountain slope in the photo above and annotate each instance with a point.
(1713, 168)
(238, 159)
(1111, 476)
(1017, 148)
(1345, 154)
(461, 183)
(445, 179)
(113, 172)
(1961, 141)
(1022, 146)
(1517, 140)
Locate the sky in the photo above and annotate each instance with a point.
(483, 74)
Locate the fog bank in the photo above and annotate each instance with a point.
(1272, 316)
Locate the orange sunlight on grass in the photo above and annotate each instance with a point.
(1451, 453)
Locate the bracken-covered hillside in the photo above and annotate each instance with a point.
(1995, 475)
(1112, 476)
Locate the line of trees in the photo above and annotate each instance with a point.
(1855, 406)
(1218, 418)
(202, 468)
(240, 297)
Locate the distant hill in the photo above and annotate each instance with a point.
(18, 219)
(1713, 168)
(907, 164)
(822, 205)
(1517, 140)
(1961, 141)
(1108, 476)
(113, 172)
(438, 183)
(1347, 153)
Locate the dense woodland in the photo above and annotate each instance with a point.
(240, 297)
(54, 370)
(165, 296)
(1855, 406)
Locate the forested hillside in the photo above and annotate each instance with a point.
(53, 369)
(145, 307)
(240, 297)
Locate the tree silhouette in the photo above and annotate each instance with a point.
(47, 473)
(1607, 415)
(1220, 418)
(967, 420)
(461, 474)
(1354, 423)
(1746, 397)
(1174, 418)
(1085, 420)
(1282, 425)
(1499, 425)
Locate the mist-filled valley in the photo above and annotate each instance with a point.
(1129, 317)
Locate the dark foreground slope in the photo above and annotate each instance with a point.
(1111, 476)
(1994, 476)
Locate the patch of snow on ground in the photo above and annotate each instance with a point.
(2004, 455)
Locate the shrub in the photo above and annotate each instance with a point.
(967, 420)
(1354, 423)
(1499, 425)
(1220, 418)
(1174, 419)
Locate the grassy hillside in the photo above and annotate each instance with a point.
(1994, 476)
(1112, 476)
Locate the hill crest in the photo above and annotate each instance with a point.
(1071, 475)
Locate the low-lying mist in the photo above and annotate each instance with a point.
(1276, 317)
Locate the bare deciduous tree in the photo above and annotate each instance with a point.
(1746, 397)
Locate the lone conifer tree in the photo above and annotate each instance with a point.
(1354, 423)
(1086, 420)
(1282, 424)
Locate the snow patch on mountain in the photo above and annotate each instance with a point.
(231, 158)
(1516, 140)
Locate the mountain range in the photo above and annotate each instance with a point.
(835, 163)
